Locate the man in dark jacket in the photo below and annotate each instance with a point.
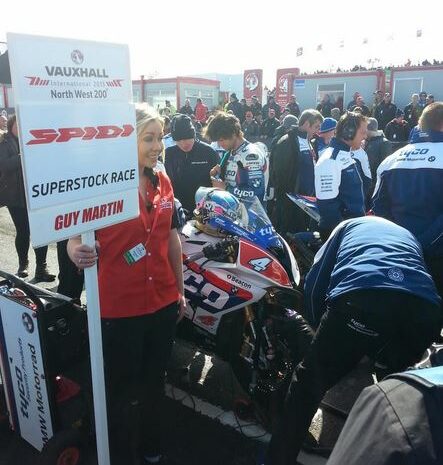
(186, 109)
(292, 171)
(413, 111)
(236, 107)
(325, 106)
(397, 130)
(12, 194)
(293, 106)
(271, 104)
(255, 105)
(189, 162)
(270, 124)
(385, 112)
(377, 147)
(250, 128)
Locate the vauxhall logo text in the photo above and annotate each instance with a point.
(73, 71)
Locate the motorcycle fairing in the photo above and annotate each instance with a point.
(257, 260)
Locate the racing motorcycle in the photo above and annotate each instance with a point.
(243, 302)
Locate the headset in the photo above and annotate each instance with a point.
(350, 126)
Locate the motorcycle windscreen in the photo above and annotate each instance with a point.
(253, 225)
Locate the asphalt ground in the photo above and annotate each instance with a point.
(199, 416)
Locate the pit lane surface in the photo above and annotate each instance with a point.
(201, 426)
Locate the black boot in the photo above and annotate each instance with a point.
(42, 274)
(22, 271)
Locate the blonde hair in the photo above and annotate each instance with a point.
(145, 115)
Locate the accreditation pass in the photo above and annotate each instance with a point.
(135, 254)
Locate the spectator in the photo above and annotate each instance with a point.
(189, 162)
(250, 128)
(325, 106)
(141, 300)
(378, 98)
(361, 104)
(429, 99)
(292, 171)
(186, 109)
(285, 113)
(324, 136)
(271, 104)
(168, 141)
(288, 122)
(269, 126)
(398, 130)
(172, 109)
(245, 107)
(385, 111)
(413, 111)
(256, 106)
(368, 294)
(377, 147)
(12, 195)
(293, 106)
(422, 102)
(408, 190)
(201, 111)
(236, 107)
(338, 183)
(198, 127)
(353, 102)
(336, 113)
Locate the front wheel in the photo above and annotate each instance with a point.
(271, 347)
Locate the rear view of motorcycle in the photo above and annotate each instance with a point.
(243, 303)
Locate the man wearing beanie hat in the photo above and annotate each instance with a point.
(397, 130)
(189, 162)
(325, 134)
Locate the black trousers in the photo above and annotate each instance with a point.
(392, 328)
(136, 353)
(19, 217)
(70, 278)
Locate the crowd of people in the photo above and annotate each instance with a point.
(356, 68)
(374, 286)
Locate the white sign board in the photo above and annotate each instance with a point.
(22, 341)
(77, 134)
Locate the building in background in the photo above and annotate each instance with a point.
(229, 83)
(176, 90)
(341, 87)
(406, 81)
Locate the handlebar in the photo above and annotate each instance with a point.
(218, 251)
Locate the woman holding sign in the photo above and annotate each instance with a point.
(141, 299)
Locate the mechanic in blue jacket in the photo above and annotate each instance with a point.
(339, 186)
(409, 189)
(368, 293)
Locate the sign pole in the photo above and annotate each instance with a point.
(96, 350)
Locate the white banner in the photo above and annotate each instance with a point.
(27, 373)
(48, 69)
(77, 134)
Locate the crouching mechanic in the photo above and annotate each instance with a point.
(243, 168)
(368, 293)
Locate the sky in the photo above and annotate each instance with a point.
(189, 37)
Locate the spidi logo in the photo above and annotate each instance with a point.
(47, 136)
